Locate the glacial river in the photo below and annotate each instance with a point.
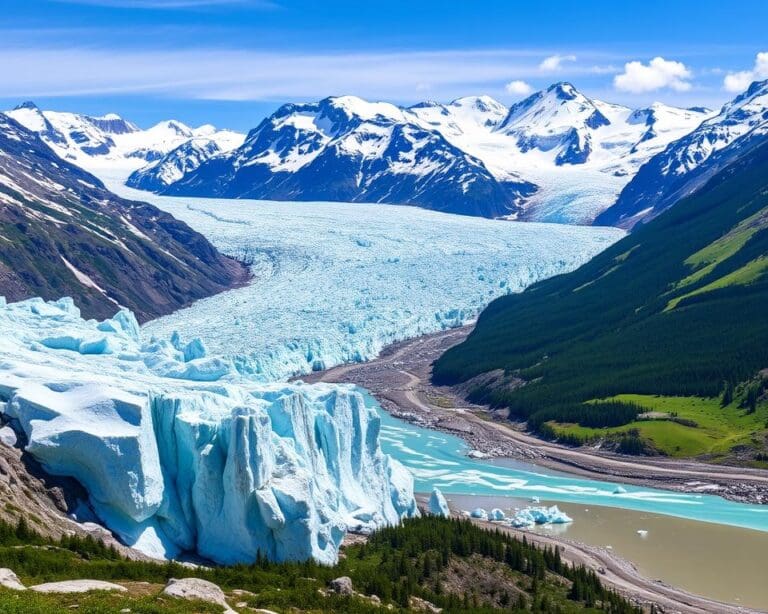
(701, 543)
(439, 459)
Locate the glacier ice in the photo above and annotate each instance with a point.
(496, 514)
(178, 452)
(437, 505)
(530, 516)
(480, 513)
(337, 282)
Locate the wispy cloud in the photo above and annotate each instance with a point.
(170, 4)
(221, 74)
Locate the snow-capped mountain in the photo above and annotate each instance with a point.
(555, 156)
(686, 164)
(174, 165)
(110, 141)
(63, 233)
(348, 149)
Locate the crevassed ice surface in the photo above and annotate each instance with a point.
(336, 282)
(178, 452)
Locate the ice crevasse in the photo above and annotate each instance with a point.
(178, 452)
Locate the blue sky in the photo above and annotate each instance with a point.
(231, 62)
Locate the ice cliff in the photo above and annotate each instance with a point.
(179, 453)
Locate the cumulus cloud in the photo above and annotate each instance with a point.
(518, 88)
(739, 81)
(555, 62)
(655, 75)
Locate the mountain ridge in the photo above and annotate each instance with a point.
(62, 233)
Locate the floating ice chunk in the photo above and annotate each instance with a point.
(480, 513)
(496, 514)
(619, 490)
(535, 499)
(477, 454)
(642, 533)
(438, 506)
(530, 516)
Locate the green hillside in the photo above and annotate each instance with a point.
(677, 309)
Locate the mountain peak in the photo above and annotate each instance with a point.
(27, 104)
(563, 90)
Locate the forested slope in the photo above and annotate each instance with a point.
(678, 308)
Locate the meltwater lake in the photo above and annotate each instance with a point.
(439, 459)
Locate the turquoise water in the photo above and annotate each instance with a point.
(438, 459)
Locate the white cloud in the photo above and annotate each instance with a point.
(555, 62)
(657, 74)
(739, 81)
(518, 88)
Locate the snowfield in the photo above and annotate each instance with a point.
(179, 453)
(336, 282)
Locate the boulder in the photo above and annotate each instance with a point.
(198, 590)
(8, 579)
(76, 586)
(342, 586)
(8, 436)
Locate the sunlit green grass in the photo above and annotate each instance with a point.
(718, 429)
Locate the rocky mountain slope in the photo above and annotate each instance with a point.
(63, 234)
(687, 164)
(347, 149)
(555, 156)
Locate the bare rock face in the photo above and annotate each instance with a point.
(342, 586)
(77, 586)
(67, 235)
(422, 605)
(196, 589)
(8, 579)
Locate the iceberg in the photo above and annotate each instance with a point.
(531, 516)
(437, 505)
(479, 513)
(496, 514)
(179, 453)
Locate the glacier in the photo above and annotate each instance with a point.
(180, 453)
(337, 282)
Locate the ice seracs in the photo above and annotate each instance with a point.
(437, 505)
(176, 460)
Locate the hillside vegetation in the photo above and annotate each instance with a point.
(453, 564)
(676, 309)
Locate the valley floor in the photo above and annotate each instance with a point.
(399, 379)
